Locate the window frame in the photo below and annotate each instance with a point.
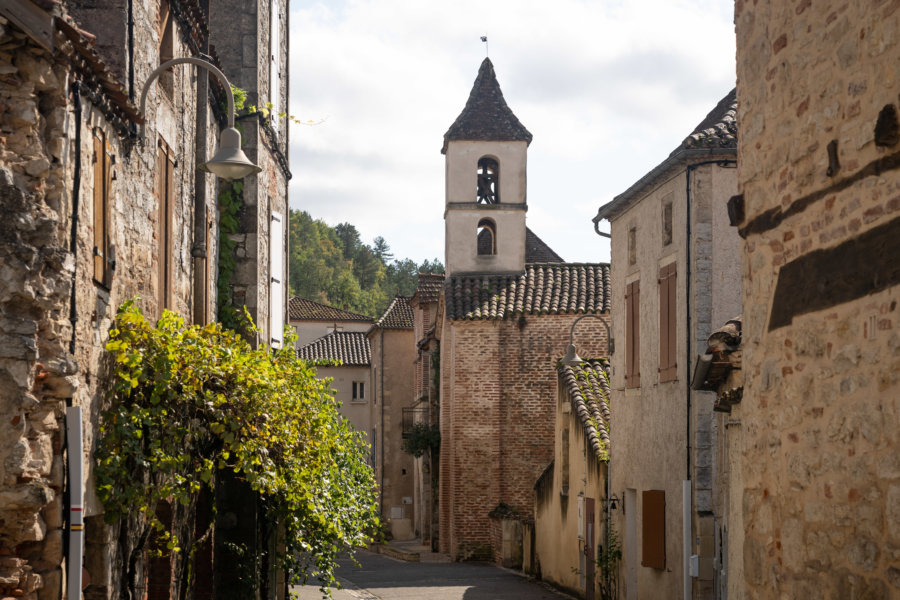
(165, 197)
(668, 322)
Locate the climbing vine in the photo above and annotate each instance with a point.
(189, 401)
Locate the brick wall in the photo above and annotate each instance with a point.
(497, 416)
(820, 465)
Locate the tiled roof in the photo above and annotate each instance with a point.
(718, 129)
(429, 286)
(349, 347)
(548, 288)
(399, 315)
(715, 136)
(301, 309)
(589, 392)
(536, 251)
(486, 115)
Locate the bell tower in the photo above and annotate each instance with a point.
(484, 215)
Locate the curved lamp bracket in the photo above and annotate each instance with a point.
(571, 358)
(229, 161)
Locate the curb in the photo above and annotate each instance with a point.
(387, 550)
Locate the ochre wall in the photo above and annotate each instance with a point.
(821, 446)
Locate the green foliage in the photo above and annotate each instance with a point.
(608, 561)
(190, 401)
(333, 266)
(422, 438)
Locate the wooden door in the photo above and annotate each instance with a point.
(590, 558)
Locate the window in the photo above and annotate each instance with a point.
(667, 223)
(667, 322)
(633, 334)
(653, 529)
(632, 246)
(359, 391)
(165, 212)
(488, 181)
(103, 176)
(166, 46)
(276, 280)
(486, 238)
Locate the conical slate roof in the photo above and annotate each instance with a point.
(486, 115)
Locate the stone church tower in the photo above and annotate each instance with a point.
(485, 149)
(505, 311)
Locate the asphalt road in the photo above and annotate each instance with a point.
(383, 578)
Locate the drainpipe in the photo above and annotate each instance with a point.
(381, 425)
(131, 50)
(75, 558)
(76, 192)
(199, 250)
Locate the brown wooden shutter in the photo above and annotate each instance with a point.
(102, 186)
(653, 529)
(667, 322)
(629, 335)
(636, 333)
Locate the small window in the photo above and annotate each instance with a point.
(488, 181)
(487, 238)
(359, 391)
(632, 246)
(667, 223)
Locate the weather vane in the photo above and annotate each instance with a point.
(484, 39)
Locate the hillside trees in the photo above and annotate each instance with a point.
(334, 266)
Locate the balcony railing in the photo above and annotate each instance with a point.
(411, 416)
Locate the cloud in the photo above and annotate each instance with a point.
(607, 88)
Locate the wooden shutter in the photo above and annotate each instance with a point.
(632, 334)
(653, 529)
(276, 274)
(165, 175)
(102, 186)
(667, 321)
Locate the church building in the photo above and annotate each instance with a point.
(506, 310)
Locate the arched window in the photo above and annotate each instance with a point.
(488, 180)
(487, 238)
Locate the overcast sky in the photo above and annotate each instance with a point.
(607, 88)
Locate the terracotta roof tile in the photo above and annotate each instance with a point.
(544, 288)
(589, 393)
(718, 129)
(301, 309)
(399, 315)
(429, 286)
(349, 347)
(486, 115)
(536, 251)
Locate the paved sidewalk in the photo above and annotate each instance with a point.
(433, 577)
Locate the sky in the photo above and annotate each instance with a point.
(607, 88)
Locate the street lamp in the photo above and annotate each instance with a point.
(229, 162)
(571, 358)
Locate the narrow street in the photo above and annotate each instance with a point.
(384, 578)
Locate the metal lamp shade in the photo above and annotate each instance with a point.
(230, 162)
(571, 358)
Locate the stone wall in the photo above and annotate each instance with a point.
(46, 189)
(498, 396)
(818, 98)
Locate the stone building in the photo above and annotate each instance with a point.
(571, 497)
(393, 380)
(425, 402)
(675, 268)
(103, 204)
(819, 213)
(351, 379)
(506, 309)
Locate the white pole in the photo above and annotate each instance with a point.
(686, 537)
(76, 502)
